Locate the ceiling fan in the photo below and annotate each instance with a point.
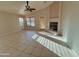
(28, 8)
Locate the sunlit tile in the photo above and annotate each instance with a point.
(48, 44)
(66, 51)
(51, 46)
(35, 36)
(51, 35)
(74, 54)
(55, 47)
(40, 39)
(43, 41)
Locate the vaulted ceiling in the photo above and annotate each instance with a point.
(18, 7)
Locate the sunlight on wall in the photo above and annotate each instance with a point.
(42, 26)
(54, 47)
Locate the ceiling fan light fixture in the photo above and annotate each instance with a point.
(28, 8)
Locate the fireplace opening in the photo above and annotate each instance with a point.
(53, 26)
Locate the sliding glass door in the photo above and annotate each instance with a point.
(30, 23)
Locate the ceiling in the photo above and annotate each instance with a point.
(18, 7)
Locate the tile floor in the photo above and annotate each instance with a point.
(24, 44)
(59, 49)
(21, 44)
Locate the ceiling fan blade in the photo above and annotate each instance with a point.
(28, 7)
(32, 8)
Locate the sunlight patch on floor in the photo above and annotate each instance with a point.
(55, 47)
(34, 36)
(53, 36)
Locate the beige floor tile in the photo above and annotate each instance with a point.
(29, 50)
(21, 44)
(46, 53)
(23, 54)
(36, 52)
(13, 52)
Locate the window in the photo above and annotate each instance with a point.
(21, 21)
(30, 22)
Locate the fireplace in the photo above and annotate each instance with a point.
(53, 26)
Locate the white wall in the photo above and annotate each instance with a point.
(41, 13)
(48, 14)
(8, 23)
(70, 16)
